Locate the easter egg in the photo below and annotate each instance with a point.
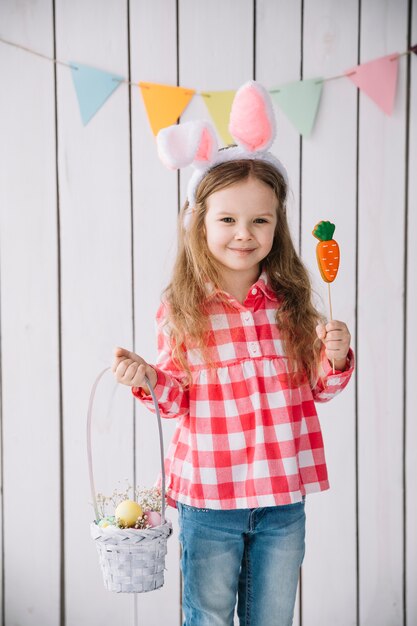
(106, 521)
(128, 512)
(103, 523)
(110, 528)
(154, 518)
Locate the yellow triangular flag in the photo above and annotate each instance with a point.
(219, 104)
(164, 104)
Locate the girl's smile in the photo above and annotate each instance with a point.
(243, 251)
(240, 225)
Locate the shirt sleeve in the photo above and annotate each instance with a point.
(170, 389)
(329, 384)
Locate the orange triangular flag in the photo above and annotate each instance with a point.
(164, 104)
(378, 79)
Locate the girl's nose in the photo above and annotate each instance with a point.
(243, 232)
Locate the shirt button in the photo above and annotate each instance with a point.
(254, 291)
(246, 317)
(253, 348)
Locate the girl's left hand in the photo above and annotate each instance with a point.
(336, 337)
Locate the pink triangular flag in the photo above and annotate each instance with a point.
(378, 79)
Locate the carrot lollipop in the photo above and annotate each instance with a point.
(328, 256)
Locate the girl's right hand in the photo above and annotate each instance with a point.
(130, 369)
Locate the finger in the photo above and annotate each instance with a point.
(321, 331)
(337, 346)
(116, 363)
(339, 337)
(122, 367)
(334, 335)
(335, 351)
(131, 372)
(122, 352)
(334, 345)
(118, 351)
(335, 325)
(139, 376)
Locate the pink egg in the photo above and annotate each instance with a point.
(154, 518)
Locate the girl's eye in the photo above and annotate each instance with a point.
(230, 220)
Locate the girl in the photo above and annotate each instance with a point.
(243, 356)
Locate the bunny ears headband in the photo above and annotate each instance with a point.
(252, 126)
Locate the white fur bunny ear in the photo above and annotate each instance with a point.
(252, 119)
(182, 144)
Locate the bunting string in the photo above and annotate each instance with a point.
(39, 54)
(164, 104)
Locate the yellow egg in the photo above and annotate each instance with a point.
(128, 512)
(104, 524)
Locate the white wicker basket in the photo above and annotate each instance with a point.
(132, 560)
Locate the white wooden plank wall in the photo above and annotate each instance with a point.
(410, 374)
(95, 243)
(30, 357)
(328, 177)
(87, 234)
(380, 329)
(153, 36)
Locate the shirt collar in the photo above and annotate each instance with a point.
(265, 286)
(262, 283)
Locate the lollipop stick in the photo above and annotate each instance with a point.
(331, 317)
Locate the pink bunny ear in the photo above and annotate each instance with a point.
(182, 144)
(252, 119)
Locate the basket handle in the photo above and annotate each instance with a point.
(89, 448)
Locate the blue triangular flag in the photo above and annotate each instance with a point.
(93, 87)
(299, 101)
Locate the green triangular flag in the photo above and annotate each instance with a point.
(219, 104)
(300, 101)
(93, 87)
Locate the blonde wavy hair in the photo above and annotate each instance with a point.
(186, 294)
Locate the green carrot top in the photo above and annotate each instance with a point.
(324, 231)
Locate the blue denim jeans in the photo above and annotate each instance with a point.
(253, 555)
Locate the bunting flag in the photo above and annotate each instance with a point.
(378, 79)
(164, 104)
(219, 104)
(92, 87)
(299, 101)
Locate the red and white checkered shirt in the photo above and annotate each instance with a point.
(245, 437)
